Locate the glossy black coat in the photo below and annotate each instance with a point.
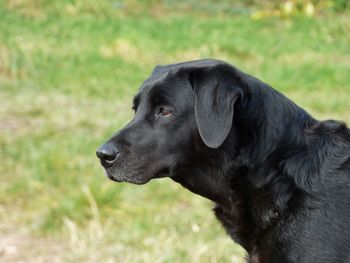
(279, 178)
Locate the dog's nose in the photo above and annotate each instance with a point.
(107, 154)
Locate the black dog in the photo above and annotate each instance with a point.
(280, 179)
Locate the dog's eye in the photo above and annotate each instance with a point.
(164, 112)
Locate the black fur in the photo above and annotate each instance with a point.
(280, 179)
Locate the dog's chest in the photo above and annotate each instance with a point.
(233, 220)
(247, 223)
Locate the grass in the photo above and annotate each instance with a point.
(68, 71)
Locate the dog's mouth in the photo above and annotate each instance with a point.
(120, 175)
(110, 177)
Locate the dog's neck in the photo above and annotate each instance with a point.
(235, 175)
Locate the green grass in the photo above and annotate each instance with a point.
(68, 71)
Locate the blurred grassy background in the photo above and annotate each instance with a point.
(68, 71)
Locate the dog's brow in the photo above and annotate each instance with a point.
(162, 99)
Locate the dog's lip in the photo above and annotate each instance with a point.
(106, 164)
(110, 177)
(162, 173)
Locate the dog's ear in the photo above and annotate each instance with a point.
(216, 93)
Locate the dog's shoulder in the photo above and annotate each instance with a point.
(325, 152)
(330, 128)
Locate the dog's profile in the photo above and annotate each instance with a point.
(280, 179)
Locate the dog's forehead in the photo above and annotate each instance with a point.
(189, 64)
(173, 88)
(163, 73)
(172, 80)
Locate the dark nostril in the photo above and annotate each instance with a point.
(107, 153)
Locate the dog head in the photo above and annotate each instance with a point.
(179, 109)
